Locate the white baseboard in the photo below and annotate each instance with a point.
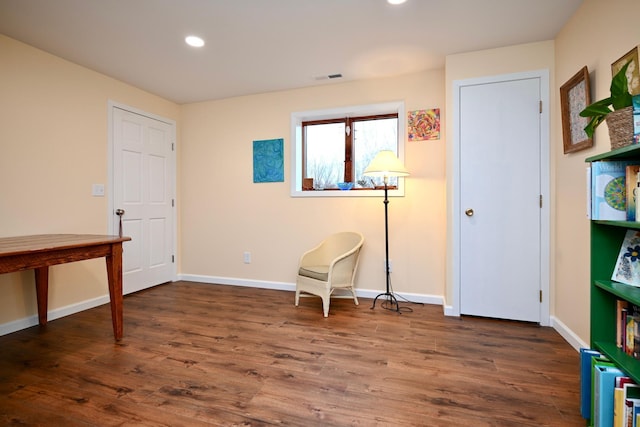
(284, 286)
(450, 311)
(568, 335)
(216, 280)
(30, 321)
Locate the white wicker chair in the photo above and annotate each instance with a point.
(330, 265)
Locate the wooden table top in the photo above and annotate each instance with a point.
(22, 245)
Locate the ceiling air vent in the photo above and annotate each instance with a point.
(329, 77)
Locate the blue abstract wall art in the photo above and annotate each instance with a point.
(268, 160)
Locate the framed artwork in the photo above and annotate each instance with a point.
(633, 73)
(423, 125)
(268, 160)
(575, 95)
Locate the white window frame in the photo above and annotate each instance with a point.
(354, 111)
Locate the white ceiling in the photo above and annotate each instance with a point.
(256, 46)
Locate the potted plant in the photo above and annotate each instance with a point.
(617, 110)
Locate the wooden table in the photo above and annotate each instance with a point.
(38, 252)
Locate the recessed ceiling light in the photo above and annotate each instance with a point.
(194, 41)
(396, 1)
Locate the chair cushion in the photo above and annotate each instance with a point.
(318, 272)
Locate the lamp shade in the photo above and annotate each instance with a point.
(385, 164)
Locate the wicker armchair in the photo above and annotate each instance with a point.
(330, 265)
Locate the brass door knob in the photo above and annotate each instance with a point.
(468, 212)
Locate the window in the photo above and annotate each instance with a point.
(332, 146)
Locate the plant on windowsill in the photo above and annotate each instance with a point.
(616, 110)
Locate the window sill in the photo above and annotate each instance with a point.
(392, 191)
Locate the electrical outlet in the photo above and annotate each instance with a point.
(246, 257)
(97, 190)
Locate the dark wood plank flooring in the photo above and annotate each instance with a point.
(199, 354)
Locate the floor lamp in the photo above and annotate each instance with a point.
(386, 164)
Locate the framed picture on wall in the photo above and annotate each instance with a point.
(575, 95)
(633, 73)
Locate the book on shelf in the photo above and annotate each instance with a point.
(632, 323)
(608, 190)
(589, 201)
(619, 408)
(621, 319)
(636, 118)
(604, 378)
(625, 389)
(631, 405)
(631, 396)
(628, 328)
(627, 268)
(596, 363)
(586, 370)
(632, 183)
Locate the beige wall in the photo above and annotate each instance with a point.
(54, 147)
(54, 138)
(597, 35)
(224, 213)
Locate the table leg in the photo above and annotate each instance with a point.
(114, 275)
(42, 293)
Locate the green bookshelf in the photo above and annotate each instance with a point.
(606, 240)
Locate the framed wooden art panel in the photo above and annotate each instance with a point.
(633, 72)
(575, 95)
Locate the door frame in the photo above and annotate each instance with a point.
(110, 173)
(545, 189)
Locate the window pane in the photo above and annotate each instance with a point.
(370, 137)
(325, 154)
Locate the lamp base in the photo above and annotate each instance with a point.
(390, 299)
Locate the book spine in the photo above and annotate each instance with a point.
(621, 319)
(631, 183)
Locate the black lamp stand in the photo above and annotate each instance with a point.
(387, 295)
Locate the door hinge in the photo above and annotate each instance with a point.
(173, 258)
(173, 203)
(541, 201)
(173, 147)
(540, 296)
(540, 106)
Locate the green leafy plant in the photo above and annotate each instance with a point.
(620, 98)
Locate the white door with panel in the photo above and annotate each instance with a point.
(500, 199)
(143, 187)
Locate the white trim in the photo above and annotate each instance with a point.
(357, 110)
(450, 310)
(291, 287)
(110, 144)
(30, 321)
(568, 335)
(216, 280)
(545, 237)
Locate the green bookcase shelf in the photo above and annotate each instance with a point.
(625, 292)
(606, 240)
(628, 152)
(627, 363)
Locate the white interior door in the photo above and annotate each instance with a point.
(500, 199)
(143, 186)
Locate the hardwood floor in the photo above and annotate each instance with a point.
(199, 354)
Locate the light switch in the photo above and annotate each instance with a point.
(97, 190)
